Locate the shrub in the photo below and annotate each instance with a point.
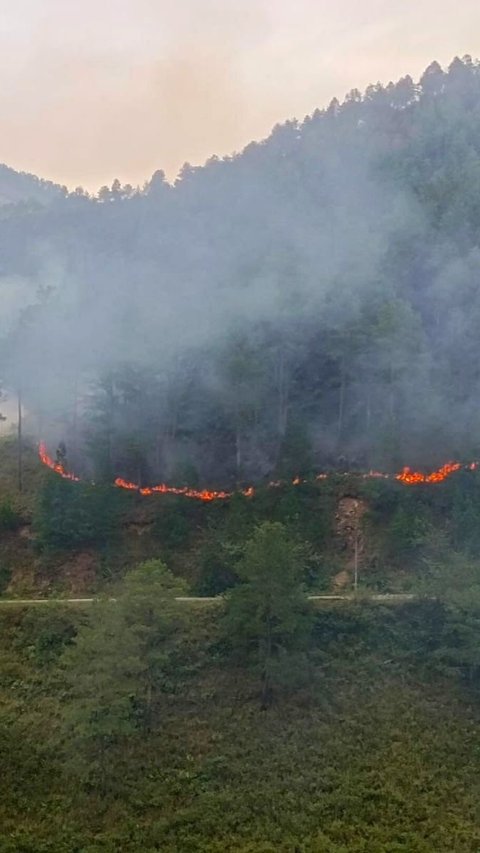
(9, 517)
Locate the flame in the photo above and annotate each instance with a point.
(406, 476)
(411, 478)
(202, 495)
(54, 466)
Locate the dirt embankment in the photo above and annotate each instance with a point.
(349, 531)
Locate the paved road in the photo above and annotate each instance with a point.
(385, 598)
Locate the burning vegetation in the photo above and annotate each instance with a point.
(406, 476)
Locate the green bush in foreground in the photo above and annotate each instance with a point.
(268, 616)
(383, 758)
(119, 665)
(9, 517)
(71, 515)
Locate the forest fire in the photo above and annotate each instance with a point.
(406, 476)
(411, 478)
(58, 467)
(163, 489)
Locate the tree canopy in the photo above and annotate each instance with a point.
(268, 617)
(310, 302)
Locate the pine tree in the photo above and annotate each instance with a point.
(268, 615)
(122, 661)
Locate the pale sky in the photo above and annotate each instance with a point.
(92, 90)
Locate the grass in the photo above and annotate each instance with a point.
(23, 502)
(378, 751)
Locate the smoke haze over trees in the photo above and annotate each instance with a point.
(312, 302)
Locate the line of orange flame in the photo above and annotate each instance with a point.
(54, 466)
(406, 476)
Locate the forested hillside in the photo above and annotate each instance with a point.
(309, 303)
(21, 187)
(187, 681)
(142, 725)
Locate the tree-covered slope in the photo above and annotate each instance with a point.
(375, 748)
(310, 302)
(22, 187)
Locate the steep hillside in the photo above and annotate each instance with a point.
(59, 537)
(376, 749)
(309, 303)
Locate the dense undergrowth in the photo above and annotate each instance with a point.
(378, 749)
(59, 537)
(319, 311)
(363, 734)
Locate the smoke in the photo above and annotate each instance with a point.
(310, 299)
(232, 249)
(113, 89)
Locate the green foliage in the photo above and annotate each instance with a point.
(451, 581)
(268, 617)
(102, 669)
(136, 698)
(119, 666)
(296, 451)
(306, 510)
(46, 634)
(69, 515)
(172, 525)
(413, 527)
(5, 578)
(21, 503)
(383, 756)
(216, 567)
(10, 519)
(406, 533)
(465, 514)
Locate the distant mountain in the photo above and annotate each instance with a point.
(16, 187)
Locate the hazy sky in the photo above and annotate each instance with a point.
(97, 89)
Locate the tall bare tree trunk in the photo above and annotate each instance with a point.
(75, 420)
(20, 443)
(341, 401)
(238, 451)
(391, 396)
(282, 388)
(368, 410)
